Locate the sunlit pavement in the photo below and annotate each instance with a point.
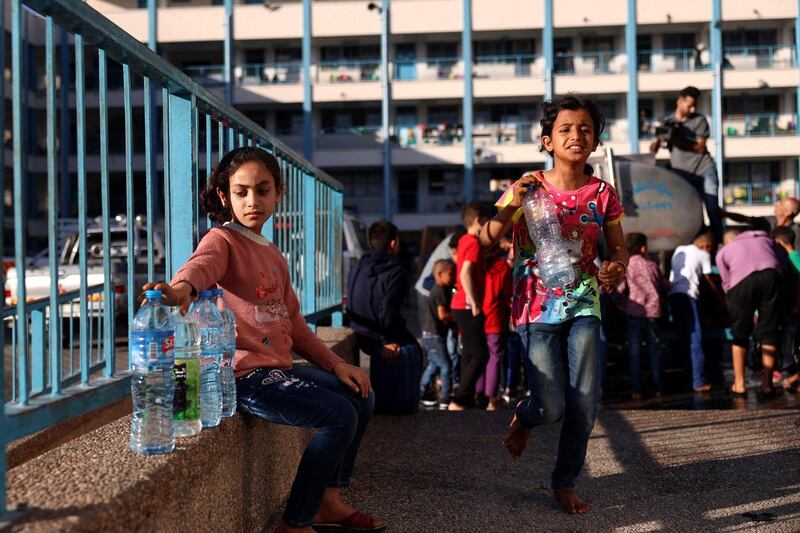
(669, 470)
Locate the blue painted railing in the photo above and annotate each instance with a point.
(758, 193)
(62, 347)
(587, 63)
(756, 57)
(673, 60)
(760, 125)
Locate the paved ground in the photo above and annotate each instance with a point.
(646, 471)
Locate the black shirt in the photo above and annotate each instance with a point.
(439, 295)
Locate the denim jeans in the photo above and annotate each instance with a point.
(438, 359)
(644, 329)
(307, 396)
(686, 315)
(514, 360)
(563, 393)
(707, 186)
(455, 356)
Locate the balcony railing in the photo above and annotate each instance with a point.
(269, 73)
(589, 63)
(673, 60)
(760, 125)
(757, 193)
(755, 57)
(206, 75)
(508, 66)
(52, 382)
(348, 71)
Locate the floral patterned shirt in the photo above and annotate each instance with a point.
(255, 277)
(583, 213)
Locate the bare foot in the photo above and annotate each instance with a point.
(516, 439)
(455, 407)
(570, 501)
(705, 387)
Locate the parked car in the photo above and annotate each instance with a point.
(38, 282)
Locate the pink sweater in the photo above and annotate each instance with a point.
(255, 278)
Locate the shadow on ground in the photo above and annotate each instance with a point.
(646, 471)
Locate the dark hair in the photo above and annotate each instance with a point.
(692, 91)
(573, 102)
(634, 242)
(785, 234)
(440, 264)
(475, 210)
(453, 242)
(380, 235)
(704, 232)
(221, 174)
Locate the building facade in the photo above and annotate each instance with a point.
(512, 71)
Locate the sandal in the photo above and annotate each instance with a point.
(357, 522)
(736, 394)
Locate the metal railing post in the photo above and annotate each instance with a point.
(181, 177)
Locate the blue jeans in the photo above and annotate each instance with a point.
(438, 359)
(455, 356)
(514, 359)
(307, 396)
(554, 398)
(686, 316)
(707, 186)
(647, 329)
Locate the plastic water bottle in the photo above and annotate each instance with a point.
(151, 352)
(229, 349)
(210, 322)
(186, 374)
(541, 216)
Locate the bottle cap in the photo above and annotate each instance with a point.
(217, 292)
(205, 293)
(153, 294)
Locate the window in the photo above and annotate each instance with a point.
(351, 52)
(407, 191)
(678, 41)
(289, 122)
(347, 120)
(254, 56)
(752, 171)
(750, 104)
(442, 50)
(749, 38)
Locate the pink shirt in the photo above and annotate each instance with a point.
(751, 251)
(645, 286)
(255, 277)
(583, 214)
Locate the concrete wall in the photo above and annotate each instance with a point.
(234, 477)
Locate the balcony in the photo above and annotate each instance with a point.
(758, 193)
(760, 125)
(348, 71)
(758, 57)
(426, 69)
(269, 73)
(590, 63)
(673, 60)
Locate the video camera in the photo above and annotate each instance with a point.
(663, 131)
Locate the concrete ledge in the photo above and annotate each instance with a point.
(231, 478)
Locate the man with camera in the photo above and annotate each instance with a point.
(684, 133)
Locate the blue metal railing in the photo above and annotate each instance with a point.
(759, 125)
(755, 57)
(508, 66)
(757, 193)
(345, 71)
(584, 63)
(54, 376)
(673, 60)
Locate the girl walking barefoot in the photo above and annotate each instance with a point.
(551, 320)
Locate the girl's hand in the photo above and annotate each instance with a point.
(521, 187)
(179, 294)
(611, 274)
(354, 378)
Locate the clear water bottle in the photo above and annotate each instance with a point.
(186, 374)
(152, 355)
(229, 350)
(210, 322)
(541, 216)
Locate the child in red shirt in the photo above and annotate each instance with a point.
(497, 293)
